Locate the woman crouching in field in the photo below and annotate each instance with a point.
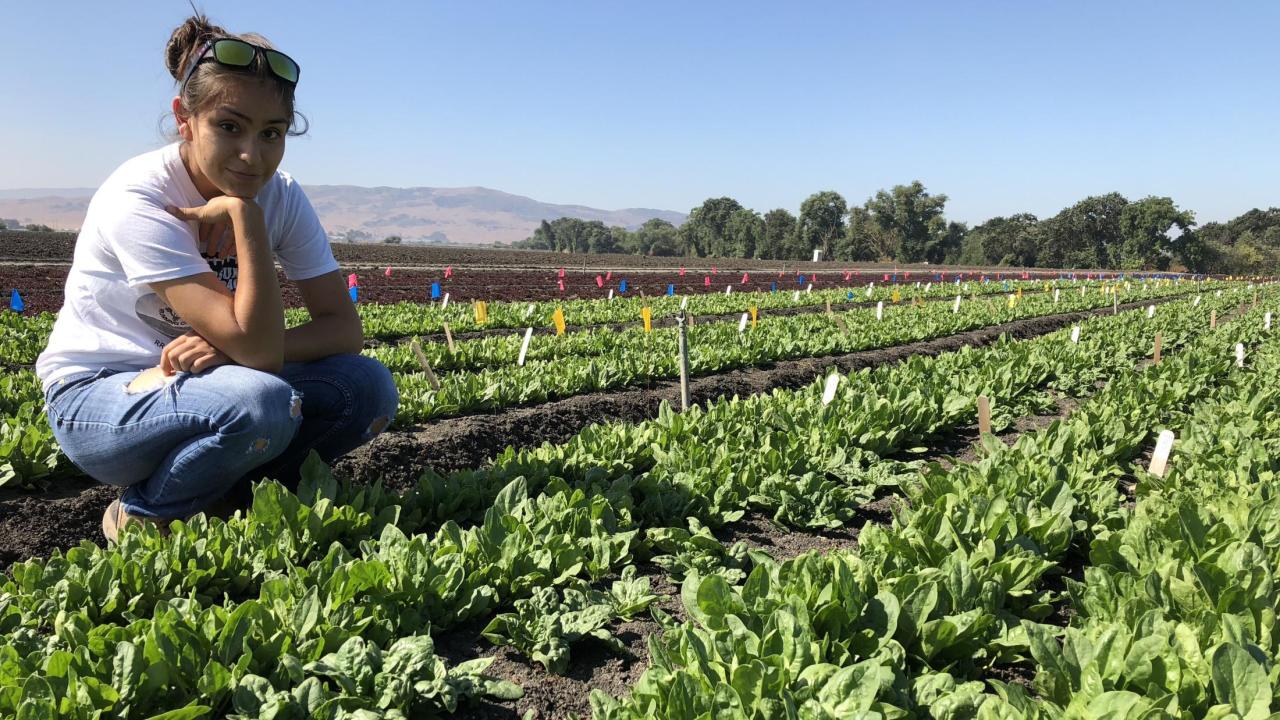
(169, 371)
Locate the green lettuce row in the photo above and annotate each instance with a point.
(1178, 607)
(898, 630)
(405, 319)
(22, 337)
(496, 351)
(523, 544)
(713, 348)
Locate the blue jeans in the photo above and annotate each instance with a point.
(196, 438)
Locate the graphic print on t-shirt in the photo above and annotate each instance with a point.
(160, 317)
(227, 270)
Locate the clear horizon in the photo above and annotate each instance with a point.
(1003, 107)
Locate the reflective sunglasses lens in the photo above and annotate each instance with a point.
(282, 66)
(233, 52)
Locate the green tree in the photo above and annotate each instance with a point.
(391, 240)
(1144, 230)
(743, 233)
(1083, 235)
(1013, 240)
(779, 235)
(656, 237)
(912, 217)
(864, 239)
(822, 222)
(703, 234)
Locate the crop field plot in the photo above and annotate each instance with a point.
(934, 499)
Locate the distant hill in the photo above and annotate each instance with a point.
(456, 216)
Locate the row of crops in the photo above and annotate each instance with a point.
(1037, 559)
(482, 374)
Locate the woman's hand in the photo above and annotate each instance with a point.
(218, 219)
(190, 353)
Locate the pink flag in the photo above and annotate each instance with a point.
(886, 277)
(744, 278)
(562, 272)
(681, 272)
(561, 283)
(448, 272)
(847, 275)
(388, 272)
(713, 269)
(599, 281)
(608, 275)
(351, 281)
(706, 280)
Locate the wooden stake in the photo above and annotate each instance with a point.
(984, 415)
(426, 366)
(1156, 353)
(1213, 319)
(448, 338)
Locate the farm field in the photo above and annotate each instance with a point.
(825, 533)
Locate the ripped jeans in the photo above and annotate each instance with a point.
(192, 439)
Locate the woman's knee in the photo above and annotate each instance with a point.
(261, 407)
(378, 388)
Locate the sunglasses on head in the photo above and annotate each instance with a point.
(234, 53)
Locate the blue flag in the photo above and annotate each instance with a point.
(799, 279)
(671, 289)
(355, 291)
(773, 286)
(1006, 284)
(435, 291)
(15, 302)
(622, 286)
(848, 295)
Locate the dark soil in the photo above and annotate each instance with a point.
(761, 533)
(591, 666)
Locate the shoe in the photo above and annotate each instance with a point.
(116, 518)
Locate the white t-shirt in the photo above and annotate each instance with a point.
(110, 317)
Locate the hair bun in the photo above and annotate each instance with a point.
(186, 40)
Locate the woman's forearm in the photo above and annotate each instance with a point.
(321, 337)
(259, 309)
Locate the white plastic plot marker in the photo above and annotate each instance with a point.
(528, 311)
(829, 392)
(880, 310)
(1160, 458)
(984, 415)
(1266, 321)
(809, 290)
(1055, 296)
(1196, 301)
(610, 293)
(955, 307)
(524, 346)
(1075, 333)
(1239, 355)
(728, 289)
(742, 324)
(1155, 356)
(869, 288)
(445, 304)
(926, 287)
(426, 366)
(1151, 311)
(795, 297)
(684, 301)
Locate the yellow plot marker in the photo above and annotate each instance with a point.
(754, 312)
(896, 295)
(558, 318)
(482, 312)
(647, 315)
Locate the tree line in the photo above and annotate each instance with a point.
(907, 224)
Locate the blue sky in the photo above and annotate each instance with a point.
(1003, 106)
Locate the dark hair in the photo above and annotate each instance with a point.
(210, 79)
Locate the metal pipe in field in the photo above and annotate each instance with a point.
(684, 361)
